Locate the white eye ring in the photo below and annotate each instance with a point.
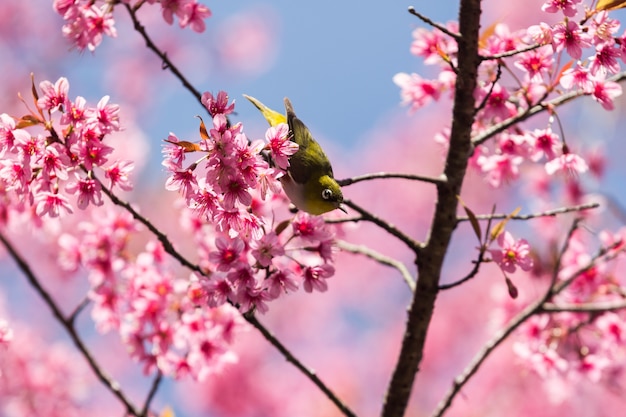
(326, 194)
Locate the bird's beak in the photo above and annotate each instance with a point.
(342, 208)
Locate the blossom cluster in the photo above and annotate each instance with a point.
(521, 69)
(570, 345)
(250, 257)
(51, 171)
(147, 301)
(87, 21)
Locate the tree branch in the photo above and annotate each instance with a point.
(380, 258)
(167, 63)
(584, 308)
(105, 379)
(390, 228)
(428, 21)
(531, 111)
(430, 257)
(299, 365)
(547, 213)
(155, 386)
(377, 175)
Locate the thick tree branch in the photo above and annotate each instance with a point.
(105, 379)
(430, 257)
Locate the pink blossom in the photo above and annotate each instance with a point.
(535, 63)
(602, 29)
(88, 189)
(170, 8)
(185, 181)
(431, 45)
(605, 91)
(570, 36)
(267, 248)
(415, 90)
(315, 277)
(173, 155)
(252, 297)
(281, 281)
(55, 161)
(310, 228)
(118, 174)
(217, 105)
(54, 95)
(545, 143)
(499, 168)
(512, 253)
(498, 106)
(577, 77)
(15, 176)
(107, 116)
(541, 33)
(194, 14)
(87, 24)
(54, 205)
(279, 144)
(227, 254)
(568, 7)
(605, 60)
(569, 163)
(92, 152)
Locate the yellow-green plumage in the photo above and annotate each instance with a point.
(309, 182)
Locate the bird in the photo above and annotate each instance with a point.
(309, 181)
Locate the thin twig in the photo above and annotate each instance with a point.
(378, 175)
(340, 220)
(439, 26)
(380, 258)
(393, 230)
(583, 308)
(79, 308)
(483, 103)
(510, 53)
(106, 380)
(531, 111)
(169, 248)
(547, 213)
(306, 371)
(167, 63)
(153, 389)
(469, 276)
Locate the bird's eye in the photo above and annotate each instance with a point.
(326, 194)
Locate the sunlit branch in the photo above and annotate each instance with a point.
(153, 389)
(310, 373)
(166, 62)
(380, 258)
(169, 248)
(106, 380)
(378, 175)
(428, 21)
(539, 306)
(531, 111)
(393, 230)
(584, 308)
(547, 213)
(510, 53)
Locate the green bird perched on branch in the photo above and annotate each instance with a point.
(309, 181)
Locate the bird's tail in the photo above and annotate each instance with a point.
(272, 116)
